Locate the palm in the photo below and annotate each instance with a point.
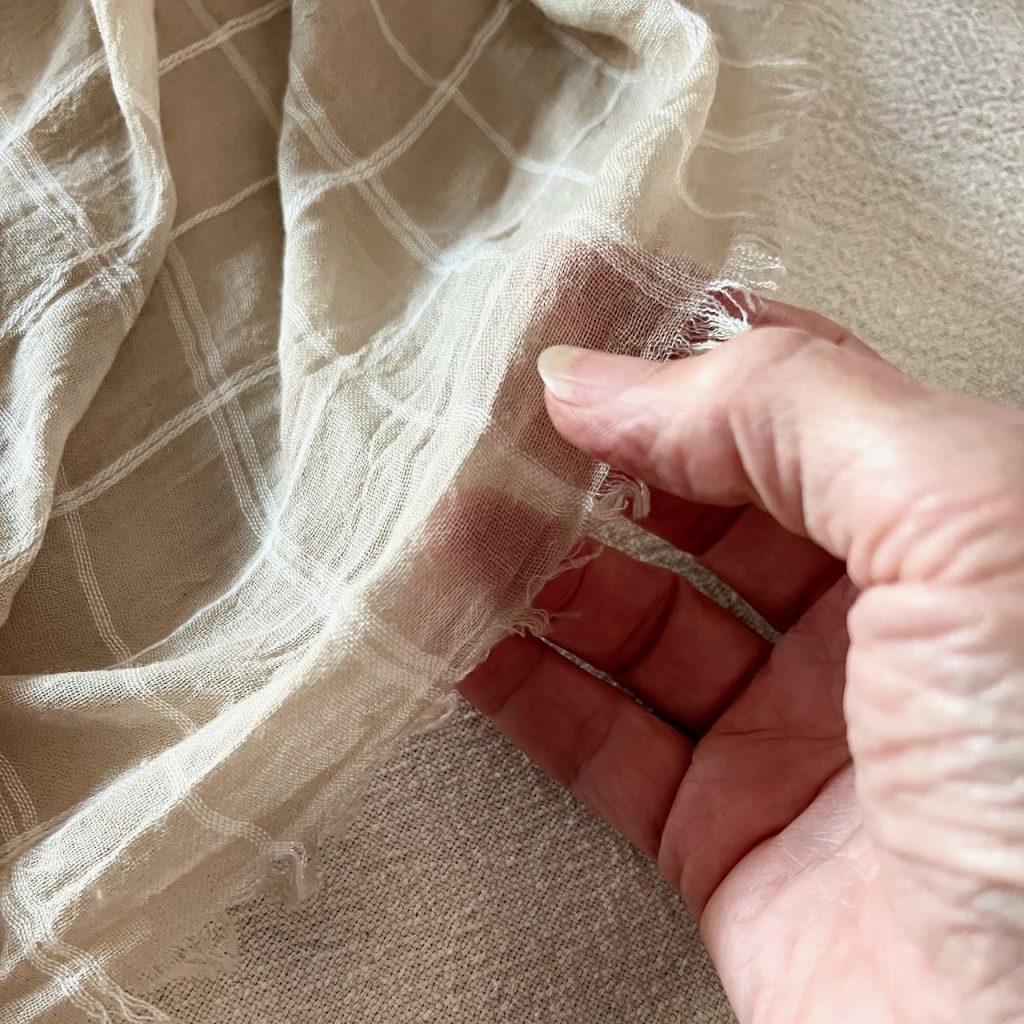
(739, 781)
(803, 930)
(801, 925)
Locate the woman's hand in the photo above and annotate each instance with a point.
(844, 809)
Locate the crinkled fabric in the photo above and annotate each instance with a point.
(274, 467)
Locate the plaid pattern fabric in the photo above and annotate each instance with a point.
(274, 470)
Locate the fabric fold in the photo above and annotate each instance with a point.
(275, 467)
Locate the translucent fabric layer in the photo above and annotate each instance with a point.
(274, 467)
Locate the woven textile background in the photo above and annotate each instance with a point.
(274, 470)
(471, 888)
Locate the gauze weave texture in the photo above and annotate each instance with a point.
(274, 467)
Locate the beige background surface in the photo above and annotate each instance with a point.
(472, 890)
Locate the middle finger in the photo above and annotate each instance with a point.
(654, 633)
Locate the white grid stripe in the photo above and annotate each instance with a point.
(224, 33)
(208, 370)
(403, 139)
(205, 362)
(196, 806)
(492, 134)
(31, 174)
(316, 124)
(20, 801)
(235, 59)
(256, 373)
(384, 342)
(579, 49)
(75, 79)
(229, 204)
(201, 382)
(90, 585)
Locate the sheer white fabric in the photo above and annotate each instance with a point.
(274, 469)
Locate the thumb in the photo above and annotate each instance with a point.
(831, 440)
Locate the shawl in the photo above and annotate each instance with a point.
(274, 467)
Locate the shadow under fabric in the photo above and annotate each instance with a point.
(274, 467)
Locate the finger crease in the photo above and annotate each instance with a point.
(644, 636)
(577, 766)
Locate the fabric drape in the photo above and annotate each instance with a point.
(274, 467)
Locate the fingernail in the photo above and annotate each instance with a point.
(582, 376)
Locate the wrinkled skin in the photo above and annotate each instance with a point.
(843, 810)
